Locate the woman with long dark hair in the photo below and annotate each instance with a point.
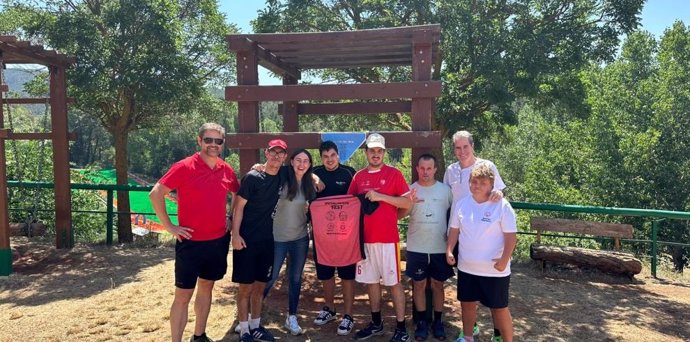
(290, 234)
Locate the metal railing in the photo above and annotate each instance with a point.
(659, 215)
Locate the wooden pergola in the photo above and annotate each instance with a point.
(13, 51)
(288, 54)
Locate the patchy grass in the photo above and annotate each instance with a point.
(95, 293)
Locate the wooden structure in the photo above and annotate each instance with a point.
(288, 54)
(13, 51)
(605, 260)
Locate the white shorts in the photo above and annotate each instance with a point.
(382, 262)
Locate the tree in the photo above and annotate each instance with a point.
(494, 51)
(139, 62)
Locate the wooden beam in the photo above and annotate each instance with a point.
(243, 141)
(4, 88)
(266, 58)
(362, 91)
(42, 100)
(29, 56)
(352, 108)
(64, 236)
(358, 35)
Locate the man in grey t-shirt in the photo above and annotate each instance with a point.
(426, 244)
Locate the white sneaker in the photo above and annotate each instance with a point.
(291, 324)
(346, 325)
(237, 327)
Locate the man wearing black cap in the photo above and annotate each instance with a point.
(252, 239)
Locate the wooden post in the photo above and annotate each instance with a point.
(422, 108)
(5, 250)
(61, 173)
(248, 112)
(290, 120)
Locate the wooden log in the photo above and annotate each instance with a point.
(604, 260)
(20, 229)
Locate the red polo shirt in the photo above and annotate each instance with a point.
(382, 224)
(201, 195)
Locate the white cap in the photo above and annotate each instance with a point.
(376, 140)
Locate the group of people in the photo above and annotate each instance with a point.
(463, 221)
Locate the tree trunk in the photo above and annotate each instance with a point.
(124, 222)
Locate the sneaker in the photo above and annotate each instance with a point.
(325, 316)
(422, 331)
(246, 338)
(371, 330)
(438, 330)
(261, 334)
(496, 338)
(346, 325)
(202, 338)
(401, 336)
(292, 326)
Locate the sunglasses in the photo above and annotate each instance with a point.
(217, 141)
(273, 153)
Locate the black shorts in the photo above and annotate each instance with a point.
(492, 292)
(421, 266)
(253, 263)
(200, 259)
(324, 272)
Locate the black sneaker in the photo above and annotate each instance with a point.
(422, 331)
(438, 330)
(246, 338)
(202, 338)
(261, 334)
(400, 336)
(371, 330)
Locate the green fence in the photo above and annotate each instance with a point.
(655, 215)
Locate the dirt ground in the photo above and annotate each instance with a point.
(95, 293)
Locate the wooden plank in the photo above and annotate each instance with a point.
(8, 39)
(289, 109)
(334, 91)
(243, 141)
(353, 108)
(353, 52)
(358, 35)
(368, 45)
(29, 56)
(4, 88)
(266, 59)
(614, 230)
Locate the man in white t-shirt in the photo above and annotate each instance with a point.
(426, 244)
(457, 176)
(486, 233)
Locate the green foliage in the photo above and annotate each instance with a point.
(494, 52)
(630, 151)
(140, 62)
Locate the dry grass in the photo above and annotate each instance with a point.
(94, 293)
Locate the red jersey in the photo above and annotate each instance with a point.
(201, 195)
(382, 224)
(335, 225)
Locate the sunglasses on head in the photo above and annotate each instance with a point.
(217, 141)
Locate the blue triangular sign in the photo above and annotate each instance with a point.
(348, 142)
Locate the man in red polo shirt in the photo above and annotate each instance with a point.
(203, 182)
(386, 185)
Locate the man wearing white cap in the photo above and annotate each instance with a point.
(387, 186)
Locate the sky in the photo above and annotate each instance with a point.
(657, 15)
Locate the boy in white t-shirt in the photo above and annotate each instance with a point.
(486, 233)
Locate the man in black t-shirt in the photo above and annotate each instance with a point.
(337, 178)
(252, 239)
